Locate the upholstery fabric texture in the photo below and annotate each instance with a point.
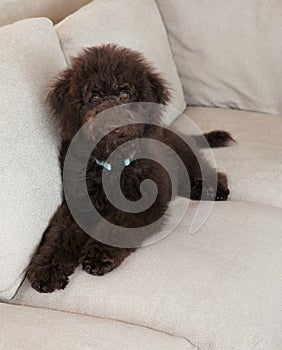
(228, 54)
(26, 328)
(15, 10)
(219, 288)
(30, 187)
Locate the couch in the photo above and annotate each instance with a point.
(218, 288)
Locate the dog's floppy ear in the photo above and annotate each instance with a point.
(159, 88)
(63, 106)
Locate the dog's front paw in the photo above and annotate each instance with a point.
(46, 279)
(99, 258)
(97, 265)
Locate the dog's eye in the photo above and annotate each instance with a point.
(96, 98)
(124, 95)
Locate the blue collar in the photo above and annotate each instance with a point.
(115, 166)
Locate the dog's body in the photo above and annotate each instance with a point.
(101, 78)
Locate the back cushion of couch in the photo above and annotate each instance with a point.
(135, 24)
(228, 53)
(30, 186)
(14, 10)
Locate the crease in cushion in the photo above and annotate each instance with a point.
(228, 54)
(35, 328)
(15, 10)
(30, 187)
(220, 288)
(253, 164)
(140, 28)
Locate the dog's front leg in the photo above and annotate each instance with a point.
(58, 253)
(118, 243)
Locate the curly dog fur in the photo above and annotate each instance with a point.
(98, 79)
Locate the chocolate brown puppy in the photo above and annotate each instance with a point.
(97, 80)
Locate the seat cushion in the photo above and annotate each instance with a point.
(219, 288)
(24, 328)
(30, 186)
(140, 27)
(227, 53)
(253, 164)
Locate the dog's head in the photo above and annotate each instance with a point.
(101, 78)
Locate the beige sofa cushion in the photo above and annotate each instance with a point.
(254, 163)
(134, 24)
(25, 328)
(228, 54)
(30, 56)
(14, 10)
(219, 288)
